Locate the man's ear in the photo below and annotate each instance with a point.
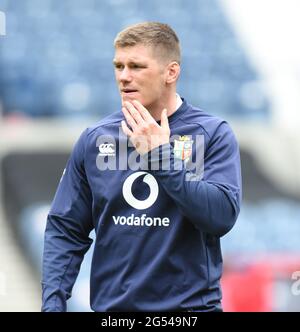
(173, 71)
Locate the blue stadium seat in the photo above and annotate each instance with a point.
(270, 226)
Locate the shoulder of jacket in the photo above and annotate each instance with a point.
(208, 122)
(113, 119)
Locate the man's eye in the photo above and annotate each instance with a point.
(119, 66)
(134, 66)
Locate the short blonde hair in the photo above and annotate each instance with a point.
(159, 36)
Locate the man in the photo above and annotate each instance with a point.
(159, 193)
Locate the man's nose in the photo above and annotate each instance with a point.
(125, 75)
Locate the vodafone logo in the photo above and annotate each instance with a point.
(141, 220)
(134, 202)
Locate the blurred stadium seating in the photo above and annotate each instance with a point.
(57, 77)
(31, 226)
(58, 57)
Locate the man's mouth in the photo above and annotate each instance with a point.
(128, 91)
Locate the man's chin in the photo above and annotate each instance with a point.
(130, 99)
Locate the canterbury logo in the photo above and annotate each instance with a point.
(134, 202)
(106, 149)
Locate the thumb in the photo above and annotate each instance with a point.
(164, 119)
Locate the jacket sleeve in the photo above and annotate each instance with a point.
(67, 231)
(211, 203)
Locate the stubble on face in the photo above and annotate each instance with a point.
(139, 75)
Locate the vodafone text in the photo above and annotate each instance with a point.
(142, 220)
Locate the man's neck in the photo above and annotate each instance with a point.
(172, 106)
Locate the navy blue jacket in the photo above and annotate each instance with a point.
(158, 225)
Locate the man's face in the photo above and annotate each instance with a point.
(139, 75)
